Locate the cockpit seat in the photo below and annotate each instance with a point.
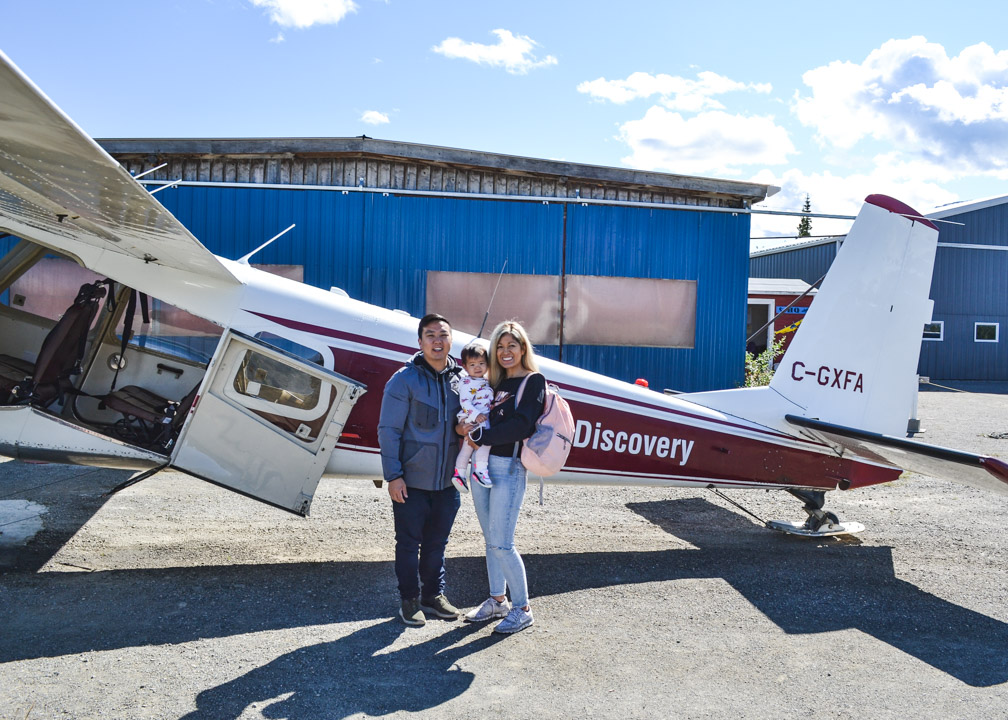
(13, 371)
(148, 420)
(47, 379)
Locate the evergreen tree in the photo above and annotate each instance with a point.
(805, 224)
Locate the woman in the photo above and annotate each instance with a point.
(511, 360)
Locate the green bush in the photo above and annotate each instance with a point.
(759, 369)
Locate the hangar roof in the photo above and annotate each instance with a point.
(390, 164)
(779, 286)
(958, 208)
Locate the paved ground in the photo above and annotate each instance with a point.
(177, 599)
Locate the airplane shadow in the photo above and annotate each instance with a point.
(803, 587)
(70, 494)
(807, 587)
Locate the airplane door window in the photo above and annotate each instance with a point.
(277, 383)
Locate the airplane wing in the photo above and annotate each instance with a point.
(59, 188)
(982, 471)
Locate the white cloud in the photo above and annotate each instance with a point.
(910, 95)
(675, 93)
(512, 52)
(373, 117)
(840, 195)
(710, 143)
(278, 39)
(305, 13)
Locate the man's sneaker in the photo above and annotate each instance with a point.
(482, 477)
(459, 482)
(411, 614)
(516, 620)
(438, 606)
(489, 610)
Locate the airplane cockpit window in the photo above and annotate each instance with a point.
(305, 353)
(172, 332)
(267, 379)
(48, 287)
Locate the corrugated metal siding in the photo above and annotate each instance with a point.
(405, 236)
(968, 286)
(808, 264)
(988, 226)
(651, 243)
(231, 222)
(379, 248)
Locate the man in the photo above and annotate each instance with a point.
(416, 432)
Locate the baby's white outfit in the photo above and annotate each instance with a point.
(476, 397)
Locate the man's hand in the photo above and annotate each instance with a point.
(397, 490)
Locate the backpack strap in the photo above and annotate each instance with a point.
(522, 388)
(514, 455)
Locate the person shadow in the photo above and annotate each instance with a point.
(360, 674)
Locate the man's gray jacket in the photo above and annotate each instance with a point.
(416, 428)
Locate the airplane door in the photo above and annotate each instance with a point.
(265, 423)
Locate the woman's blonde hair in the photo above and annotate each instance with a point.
(528, 361)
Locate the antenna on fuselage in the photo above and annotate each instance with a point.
(490, 305)
(245, 260)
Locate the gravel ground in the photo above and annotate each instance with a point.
(176, 599)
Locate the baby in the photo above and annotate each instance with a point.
(476, 396)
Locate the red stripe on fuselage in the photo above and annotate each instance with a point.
(639, 446)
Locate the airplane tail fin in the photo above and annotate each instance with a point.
(853, 361)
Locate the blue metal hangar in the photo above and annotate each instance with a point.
(969, 288)
(628, 273)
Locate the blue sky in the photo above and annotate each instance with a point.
(907, 99)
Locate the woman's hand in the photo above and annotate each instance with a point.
(464, 428)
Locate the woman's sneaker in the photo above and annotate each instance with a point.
(516, 620)
(489, 610)
(459, 482)
(482, 477)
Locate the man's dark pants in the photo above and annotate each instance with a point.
(422, 525)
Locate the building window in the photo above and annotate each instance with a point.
(934, 330)
(985, 332)
(638, 312)
(465, 299)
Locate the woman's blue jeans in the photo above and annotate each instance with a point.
(497, 510)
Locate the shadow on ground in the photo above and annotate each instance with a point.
(72, 494)
(326, 680)
(803, 587)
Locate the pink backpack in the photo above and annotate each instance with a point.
(546, 451)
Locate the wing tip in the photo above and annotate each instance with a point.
(997, 468)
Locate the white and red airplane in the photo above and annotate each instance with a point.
(293, 387)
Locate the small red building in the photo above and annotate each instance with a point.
(787, 299)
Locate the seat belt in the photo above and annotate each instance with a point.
(127, 334)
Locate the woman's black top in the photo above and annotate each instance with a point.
(510, 425)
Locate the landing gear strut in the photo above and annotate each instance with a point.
(820, 523)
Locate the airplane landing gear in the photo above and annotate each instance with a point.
(820, 522)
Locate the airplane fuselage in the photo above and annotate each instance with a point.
(626, 434)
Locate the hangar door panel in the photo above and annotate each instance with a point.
(265, 423)
(533, 300)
